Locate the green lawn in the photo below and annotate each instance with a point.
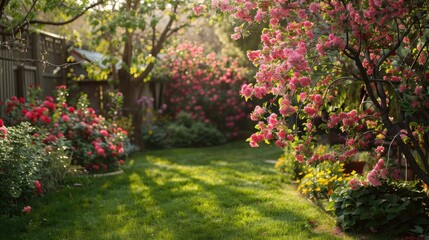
(224, 192)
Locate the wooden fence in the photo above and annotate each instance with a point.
(36, 59)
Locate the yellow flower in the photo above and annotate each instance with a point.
(380, 136)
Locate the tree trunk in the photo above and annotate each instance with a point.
(130, 107)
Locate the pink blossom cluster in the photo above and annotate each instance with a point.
(206, 86)
(346, 63)
(3, 129)
(373, 178)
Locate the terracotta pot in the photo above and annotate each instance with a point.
(356, 166)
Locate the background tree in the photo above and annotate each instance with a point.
(136, 32)
(18, 17)
(313, 50)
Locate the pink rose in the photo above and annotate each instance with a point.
(26, 209)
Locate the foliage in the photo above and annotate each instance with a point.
(391, 208)
(94, 142)
(380, 204)
(125, 122)
(206, 86)
(287, 164)
(17, 15)
(155, 137)
(199, 134)
(116, 100)
(321, 180)
(183, 132)
(120, 24)
(28, 167)
(361, 66)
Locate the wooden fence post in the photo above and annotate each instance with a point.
(37, 55)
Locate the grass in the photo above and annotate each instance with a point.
(225, 192)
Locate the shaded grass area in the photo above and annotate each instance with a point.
(224, 192)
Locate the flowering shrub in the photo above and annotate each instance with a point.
(361, 66)
(94, 142)
(206, 86)
(28, 167)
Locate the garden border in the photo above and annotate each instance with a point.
(108, 174)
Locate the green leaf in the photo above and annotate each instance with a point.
(15, 192)
(417, 229)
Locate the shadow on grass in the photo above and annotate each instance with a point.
(225, 192)
(193, 206)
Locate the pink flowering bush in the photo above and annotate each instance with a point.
(93, 141)
(361, 67)
(96, 143)
(206, 86)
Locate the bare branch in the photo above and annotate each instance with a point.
(32, 60)
(174, 30)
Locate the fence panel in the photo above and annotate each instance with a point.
(34, 60)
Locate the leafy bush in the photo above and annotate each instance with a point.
(392, 208)
(186, 132)
(180, 135)
(28, 167)
(206, 135)
(155, 137)
(183, 132)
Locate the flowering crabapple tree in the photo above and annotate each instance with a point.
(314, 53)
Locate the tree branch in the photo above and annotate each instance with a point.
(36, 21)
(18, 26)
(157, 48)
(32, 60)
(418, 54)
(364, 76)
(174, 30)
(394, 48)
(3, 5)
